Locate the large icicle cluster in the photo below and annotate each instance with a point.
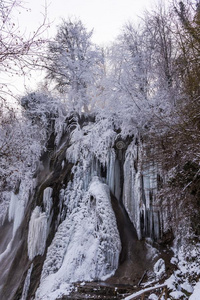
(93, 147)
(139, 190)
(87, 244)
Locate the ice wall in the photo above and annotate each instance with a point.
(131, 180)
(86, 245)
(139, 193)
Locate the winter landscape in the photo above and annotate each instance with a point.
(100, 164)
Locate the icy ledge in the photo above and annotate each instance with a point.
(86, 246)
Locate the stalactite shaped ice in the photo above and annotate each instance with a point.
(139, 190)
(87, 245)
(113, 177)
(110, 178)
(132, 191)
(37, 233)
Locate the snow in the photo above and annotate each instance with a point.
(196, 293)
(159, 268)
(37, 233)
(177, 294)
(86, 246)
(174, 261)
(153, 297)
(187, 287)
(137, 294)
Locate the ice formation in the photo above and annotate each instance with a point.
(130, 180)
(48, 203)
(18, 203)
(16, 211)
(86, 245)
(37, 233)
(27, 284)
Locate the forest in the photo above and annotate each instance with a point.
(109, 140)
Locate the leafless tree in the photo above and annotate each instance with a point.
(17, 52)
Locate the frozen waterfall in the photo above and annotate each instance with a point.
(86, 246)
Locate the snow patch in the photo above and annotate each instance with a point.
(177, 294)
(196, 293)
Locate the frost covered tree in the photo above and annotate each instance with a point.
(17, 54)
(40, 108)
(19, 144)
(74, 64)
(129, 65)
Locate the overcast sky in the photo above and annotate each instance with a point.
(106, 17)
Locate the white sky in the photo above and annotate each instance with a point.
(106, 17)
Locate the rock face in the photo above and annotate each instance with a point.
(91, 204)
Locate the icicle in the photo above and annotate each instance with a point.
(63, 164)
(48, 203)
(110, 180)
(47, 200)
(37, 233)
(26, 284)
